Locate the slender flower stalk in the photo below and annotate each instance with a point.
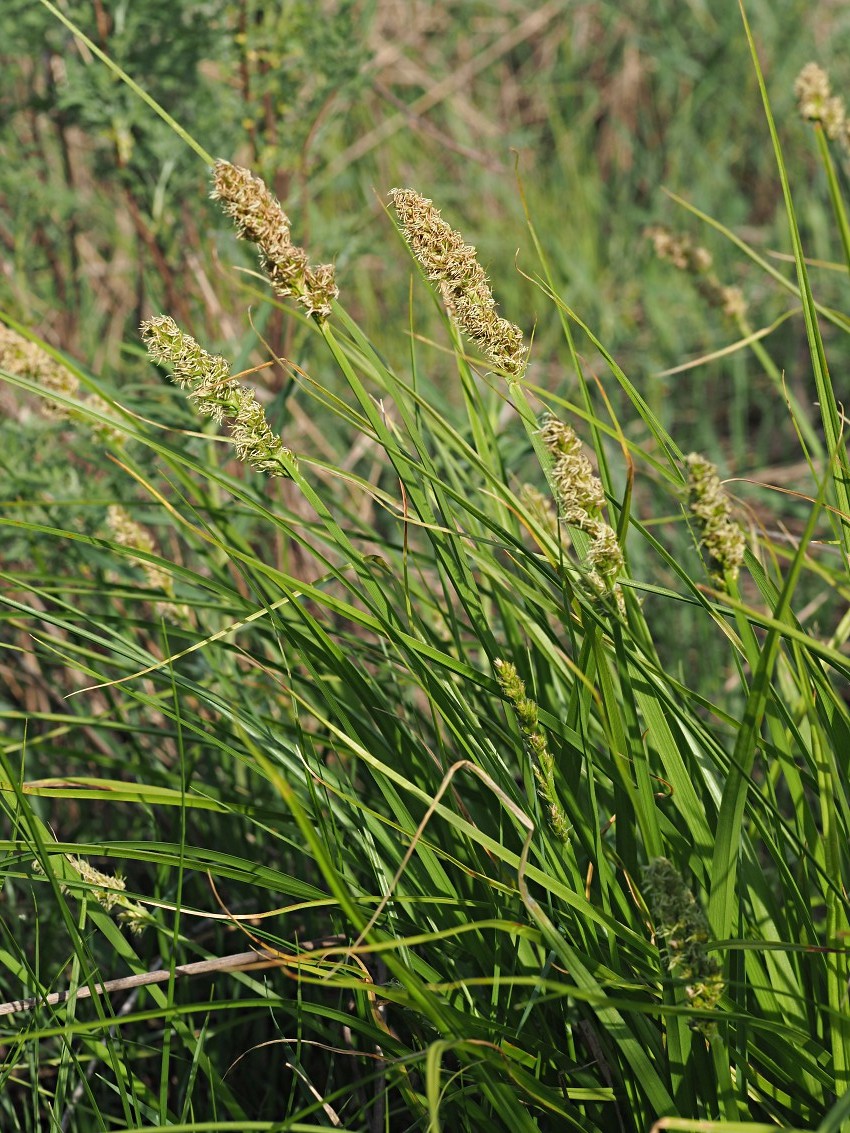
(259, 217)
(720, 536)
(453, 264)
(581, 500)
(680, 922)
(543, 762)
(216, 394)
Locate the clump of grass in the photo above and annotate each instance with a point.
(324, 768)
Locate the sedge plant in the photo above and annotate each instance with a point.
(403, 818)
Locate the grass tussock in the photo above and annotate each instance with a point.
(392, 753)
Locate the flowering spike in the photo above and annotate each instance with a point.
(580, 499)
(681, 923)
(21, 356)
(543, 762)
(720, 537)
(217, 395)
(680, 250)
(260, 218)
(463, 283)
(817, 103)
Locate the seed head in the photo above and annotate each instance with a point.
(681, 923)
(534, 738)
(259, 218)
(817, 103)
(128, 533)
(463, 283)
(581, 499)
(680, 250)
(216, 394)
(720, 537)
(18, 355)
(108, 891)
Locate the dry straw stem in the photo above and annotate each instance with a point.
(259, 218)
(720, 537)
(453, 264)
(216, 394)
(241, 962)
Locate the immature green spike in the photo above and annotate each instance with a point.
(543, 764)
(683, 926)
(720, 537)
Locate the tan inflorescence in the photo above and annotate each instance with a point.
(21, 356)
(581, 500)
(680, 922)
(720, 536)
(216, 394)
(259, 218)
(535, 741)
(680, 250)
(463, 283)
(817, 103)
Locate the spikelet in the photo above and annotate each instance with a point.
(680, 922)
(19, 355)
(581, 499)
(680, 250)
(543, 763)
(108, 891)
(817, 103)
